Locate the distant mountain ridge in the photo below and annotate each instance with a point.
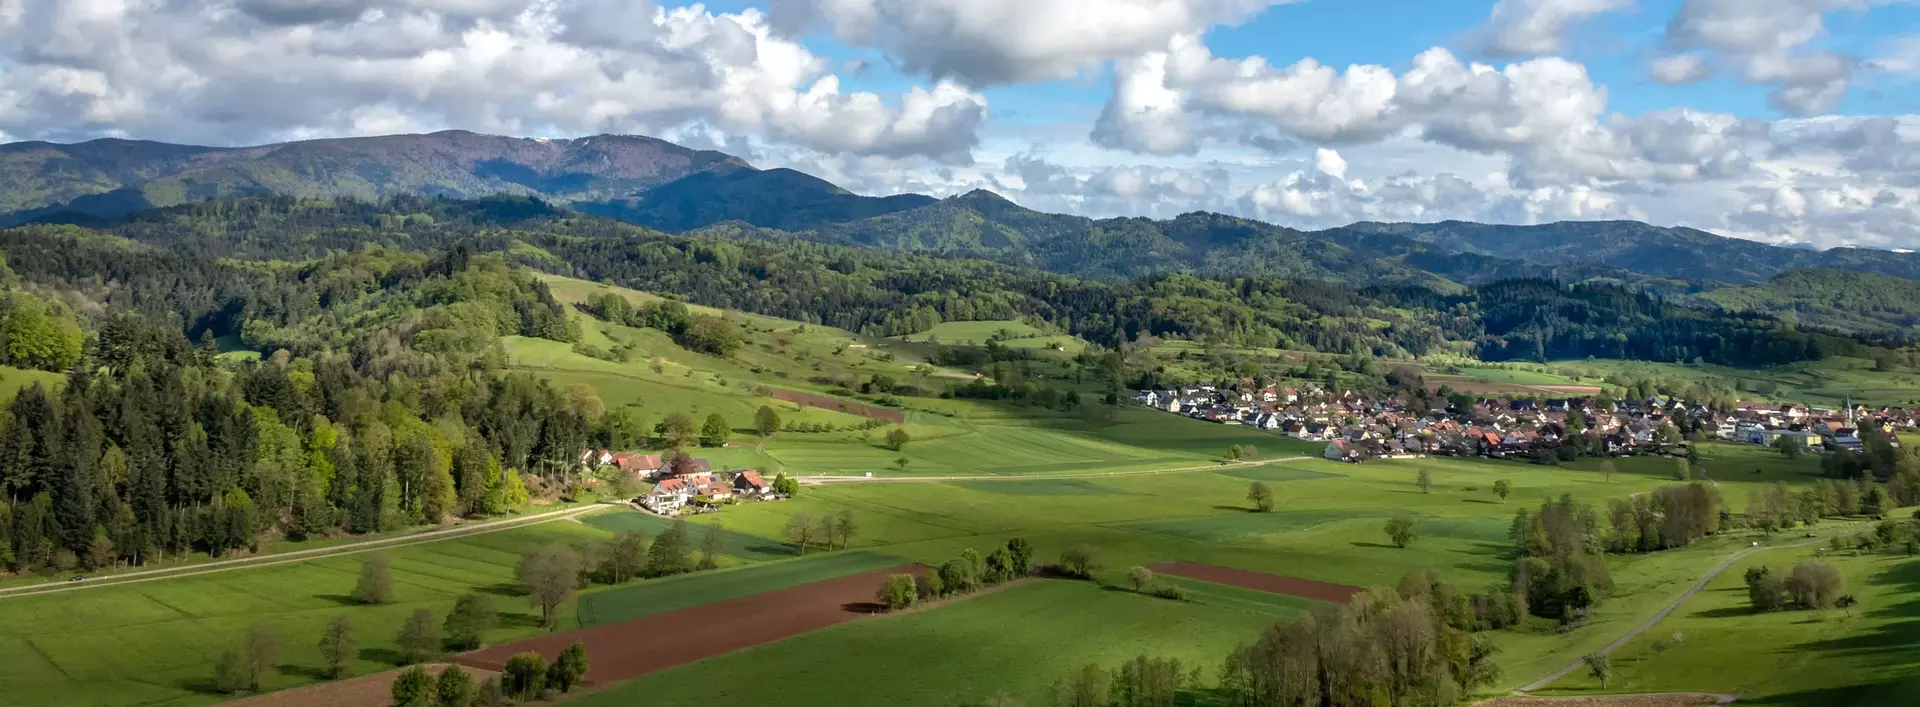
(113, 177)
(660, 185)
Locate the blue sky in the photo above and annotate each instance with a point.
(1778, 120)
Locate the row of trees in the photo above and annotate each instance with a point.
(1410, 645)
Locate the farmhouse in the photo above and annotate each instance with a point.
(750, 485)
(645, 465)
(667, 497)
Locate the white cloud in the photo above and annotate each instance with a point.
(1536, 27)
(1680, 69)
(259, 70)
(1330, 162)
(1545, 115)
(1767, 41)
(983, 42)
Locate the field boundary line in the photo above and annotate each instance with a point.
(430, 536)
(1662, 615)
(824, 479)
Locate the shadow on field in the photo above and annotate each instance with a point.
(1891, 647)
(1725, 612)
(340, 599)
(1480, 500)
(387, 656)
(1363, 543)
(306, 671)
(503, 589)
(1242, 509)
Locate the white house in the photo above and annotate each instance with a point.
(667, 497)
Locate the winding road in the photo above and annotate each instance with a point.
(1656, 619)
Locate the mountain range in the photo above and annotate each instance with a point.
(668, 187)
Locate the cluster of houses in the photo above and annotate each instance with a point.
(683, 484)
(1356, 427)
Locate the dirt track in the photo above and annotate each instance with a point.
(1277, 584)
(630, 649)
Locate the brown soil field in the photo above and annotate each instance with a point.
(375, 690)
(1277, 584)
(1669, 699)
(847, 406)
(630, 649)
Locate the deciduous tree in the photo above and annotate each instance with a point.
(1261, 496)
(419, 637)
(549, 574)
(376, 580)
(338, 646)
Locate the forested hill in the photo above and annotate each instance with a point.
(1836, 299)
(659, 185)
(1682, 253)
(887, 293)
(113, 177)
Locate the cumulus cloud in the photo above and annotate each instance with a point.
(1767, 41)
(984, 42)
(1324, 198)
(256, 70)
(1535, 27)
(1680, 69)
(1544, 114)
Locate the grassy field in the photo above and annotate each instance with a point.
(1012, 334)
(1714, 642)
(155, 643)
(1014, 642)
(13, 380)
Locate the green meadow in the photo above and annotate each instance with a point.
(1716, 643)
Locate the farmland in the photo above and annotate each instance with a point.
(1057, 478)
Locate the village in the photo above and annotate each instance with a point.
(1357, 428)
(685, 484)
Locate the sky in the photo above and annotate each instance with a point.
(1775, 120)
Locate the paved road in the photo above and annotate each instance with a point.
(1657, 618)
(155, 575)
(1036, 477)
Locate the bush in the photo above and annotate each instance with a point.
(1080, 562)
(900, 592)
(414, 688)
(524, 676)
(1168, 591)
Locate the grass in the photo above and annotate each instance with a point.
(1014, 642)
(735, 544)
(156, 642)
(658, 596)
(1714, 642)
(13, 380)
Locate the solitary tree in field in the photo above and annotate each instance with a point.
(1233, 453)
(715, 432)
(259, 655)
(1081, 561)
(1501, 488)
(549, 574)
(338, 647)
(710, 546)
(419, 637)
(1140, 577)
(801, 530)
(1400, 531)
(472, 617)
(897, 438)
(766, 422)
(1600, 665)
(846, 527)
(376, 581)
(1261, 496)
(1426, 481)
